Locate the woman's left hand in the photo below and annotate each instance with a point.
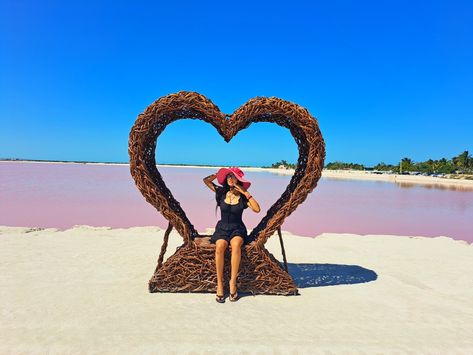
(240, 189)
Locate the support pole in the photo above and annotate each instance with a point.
(164, 247)
(282, 249)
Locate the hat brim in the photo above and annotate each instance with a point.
(222, 175)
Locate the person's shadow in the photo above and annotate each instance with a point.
(316, 275)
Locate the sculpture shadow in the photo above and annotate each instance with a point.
(317, 275)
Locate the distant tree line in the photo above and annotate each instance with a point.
(282, 163)
(338, 165)
(461, 164)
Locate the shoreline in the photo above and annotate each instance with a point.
(399, 179)
(209, 231)
(372, 293)
(460, 184)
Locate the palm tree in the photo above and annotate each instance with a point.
(463, 161)
(406, 165)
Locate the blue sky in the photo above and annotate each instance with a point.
(385, 79)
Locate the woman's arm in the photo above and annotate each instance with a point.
(253, 203)
(208, 181)
(251, 200)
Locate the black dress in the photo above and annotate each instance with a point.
(231, 223)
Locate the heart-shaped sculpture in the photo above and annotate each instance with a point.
(191, 105)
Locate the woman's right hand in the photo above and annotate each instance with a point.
(210, 177)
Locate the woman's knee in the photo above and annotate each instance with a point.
(236, 242)
(220, 246)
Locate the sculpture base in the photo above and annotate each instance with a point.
(192, 269)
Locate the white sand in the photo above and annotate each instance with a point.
(84, 290)
(400, 179)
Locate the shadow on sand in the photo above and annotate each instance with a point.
(316, 275)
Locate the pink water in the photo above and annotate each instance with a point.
(63, 195)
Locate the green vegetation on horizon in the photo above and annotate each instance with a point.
(461, 164)
(283, 163)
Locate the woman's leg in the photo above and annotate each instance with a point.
(236, 243)
(220, 247)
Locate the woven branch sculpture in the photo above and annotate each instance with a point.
(192, 267)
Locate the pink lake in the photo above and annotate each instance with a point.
(63, 195)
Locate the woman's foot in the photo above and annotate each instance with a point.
(220, 296)
(233, 291)
(233, 297)
(220, 299)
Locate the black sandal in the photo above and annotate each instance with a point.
(233, 297)
(220, 299)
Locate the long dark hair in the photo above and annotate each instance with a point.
(223, 192)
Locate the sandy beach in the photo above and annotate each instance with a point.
(399, 179)
(84, 291)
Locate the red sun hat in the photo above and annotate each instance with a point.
(223, 172)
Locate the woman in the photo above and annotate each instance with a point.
(233, 198)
